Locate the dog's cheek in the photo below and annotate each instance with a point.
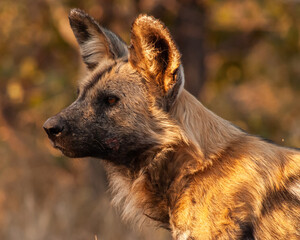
(112, 143)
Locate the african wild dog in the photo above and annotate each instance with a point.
(168, 158)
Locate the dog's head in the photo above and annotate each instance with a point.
(123, 102)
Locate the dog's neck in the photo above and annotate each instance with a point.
(206, 130)
(151, 190)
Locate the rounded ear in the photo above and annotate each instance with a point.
(96, 43)
(154, 54)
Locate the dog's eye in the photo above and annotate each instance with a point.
(111, 100)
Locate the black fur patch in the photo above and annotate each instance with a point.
(275, 198)
(81, 30)
(247, 232)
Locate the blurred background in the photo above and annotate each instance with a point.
(241, 60)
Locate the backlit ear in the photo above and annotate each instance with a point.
(155, 55)
(96, 43)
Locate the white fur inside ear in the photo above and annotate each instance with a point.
(93, 50)
(181, 78)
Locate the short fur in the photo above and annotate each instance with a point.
(168, 158)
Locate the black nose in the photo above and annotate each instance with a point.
(54, 126)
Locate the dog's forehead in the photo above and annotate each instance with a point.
(92, 78)
(121, 72)
(112, 76)
(121, 77)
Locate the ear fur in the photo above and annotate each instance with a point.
(96, 43)
(154, 54)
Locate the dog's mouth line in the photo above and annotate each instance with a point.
(66, 151)
(57, 145)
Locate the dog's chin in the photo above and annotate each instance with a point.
(69, 152)
(82, 151)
